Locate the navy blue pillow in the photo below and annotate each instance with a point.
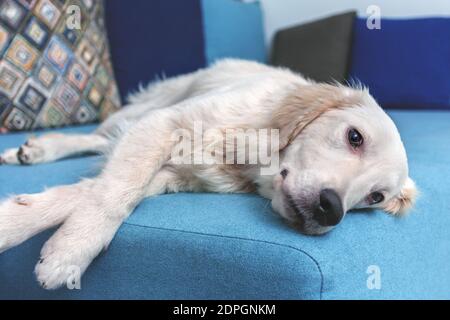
(153, 38)
(157, 38)
(406, 63)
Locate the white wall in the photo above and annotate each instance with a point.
(282, 13)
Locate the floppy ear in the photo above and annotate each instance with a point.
(404, 201)
(308, 102)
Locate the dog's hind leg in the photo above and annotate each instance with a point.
(54, 146)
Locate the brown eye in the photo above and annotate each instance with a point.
(355, 138)
(374, 198)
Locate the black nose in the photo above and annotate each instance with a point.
(329, 211)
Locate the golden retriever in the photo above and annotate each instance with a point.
(331, 149)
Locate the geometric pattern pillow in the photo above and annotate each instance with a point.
(55, 66)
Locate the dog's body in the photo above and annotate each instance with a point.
(232, 94)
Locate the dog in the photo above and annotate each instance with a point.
(337, 150)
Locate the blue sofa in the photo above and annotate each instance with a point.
(211, 246)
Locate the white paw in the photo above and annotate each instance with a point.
(31, 152)
(68, 253)
(9, 156)
(60, 266)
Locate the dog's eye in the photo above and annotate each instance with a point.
(355, 138)
(375, 197)
(284, 173)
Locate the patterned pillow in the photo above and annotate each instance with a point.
(55, 68)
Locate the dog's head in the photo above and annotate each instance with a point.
(339, 151)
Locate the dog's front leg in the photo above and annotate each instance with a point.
(92, 210)
(123, 183)
(85, 234)
(86, 227)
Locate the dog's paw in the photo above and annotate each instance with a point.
(68, 253)
(31, 152)
(60, 267)
(9, 156)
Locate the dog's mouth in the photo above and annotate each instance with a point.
(295, 211)
(292, 204)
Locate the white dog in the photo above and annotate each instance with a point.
(337, 149)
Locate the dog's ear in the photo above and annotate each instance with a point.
(308, 102)
(404, 201)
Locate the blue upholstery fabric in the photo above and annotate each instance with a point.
(406, 63)
(233, 29)
(233, 246)
(159, 38)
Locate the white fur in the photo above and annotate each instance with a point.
(231, 94)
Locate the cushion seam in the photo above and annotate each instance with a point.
(245, 239)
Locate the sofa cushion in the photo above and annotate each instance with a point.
(216, 246)
(168, 37)
(405, 63)
(233, 29)
(54, 64)
(320, 50)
